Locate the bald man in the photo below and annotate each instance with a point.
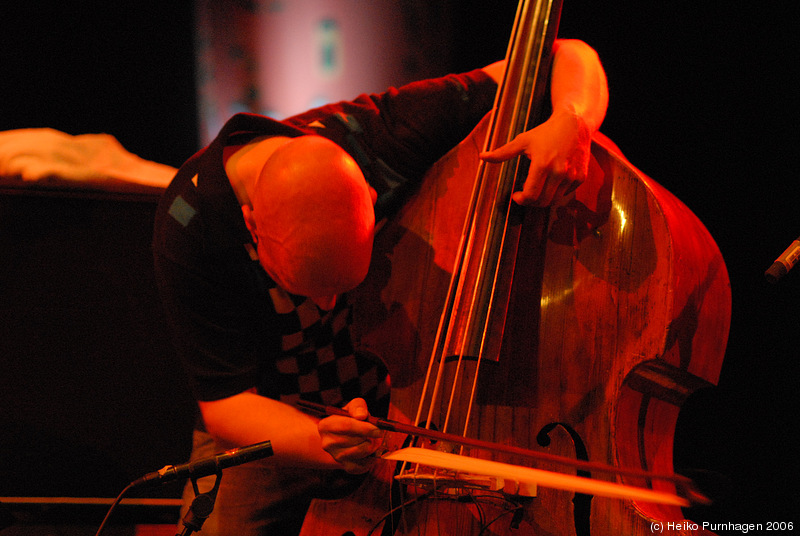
(260, 236)
(295, 245)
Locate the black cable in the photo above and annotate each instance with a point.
(113, 506)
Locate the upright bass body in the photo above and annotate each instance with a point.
(577, 331)
(619, 309)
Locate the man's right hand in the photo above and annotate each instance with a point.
(350, 440)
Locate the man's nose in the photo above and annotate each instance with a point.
(325, 302)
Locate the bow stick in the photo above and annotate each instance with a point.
(683, 483)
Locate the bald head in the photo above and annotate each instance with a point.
(313, 218)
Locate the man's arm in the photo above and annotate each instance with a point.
(578, 82)
(248, 418)
(559, 147)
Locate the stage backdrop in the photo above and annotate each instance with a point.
(281, 58)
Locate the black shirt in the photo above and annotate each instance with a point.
(234, 328)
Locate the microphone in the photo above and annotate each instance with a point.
(207, 466)
(784, 263)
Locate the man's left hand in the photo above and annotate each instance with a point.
(558, 150)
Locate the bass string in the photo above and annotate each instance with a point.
(487, 265)
(511, 90)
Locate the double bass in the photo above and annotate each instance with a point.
(576, 331)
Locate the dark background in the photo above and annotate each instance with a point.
(703, 100)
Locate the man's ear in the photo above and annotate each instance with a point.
(250, 222)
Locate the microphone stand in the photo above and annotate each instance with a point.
(203, 503)
(201, 508)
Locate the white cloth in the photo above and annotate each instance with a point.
(97, 160)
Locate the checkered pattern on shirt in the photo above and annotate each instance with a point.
(318, 362)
